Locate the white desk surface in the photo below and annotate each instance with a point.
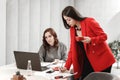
(7, 72)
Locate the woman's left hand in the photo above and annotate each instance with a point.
(62, 69)
(86, 39)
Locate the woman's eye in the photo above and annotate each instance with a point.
(68, 19)
(50, 36)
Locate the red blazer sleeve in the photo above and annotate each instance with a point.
(99, 35)
(69, 60)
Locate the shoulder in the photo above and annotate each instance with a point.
(62, 44)
(90, 20)
(42, 47)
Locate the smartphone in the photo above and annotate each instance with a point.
(50, 71)
(79, 38)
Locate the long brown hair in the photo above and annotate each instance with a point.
(53, 33)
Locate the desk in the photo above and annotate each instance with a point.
(7, 72)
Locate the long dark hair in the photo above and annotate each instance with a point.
(53, 33)
(70, 11)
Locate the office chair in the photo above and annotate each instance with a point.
(101, 76)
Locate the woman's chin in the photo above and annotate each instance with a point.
(51, 44)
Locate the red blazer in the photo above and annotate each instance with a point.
(98, 51)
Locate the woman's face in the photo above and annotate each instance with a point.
(49, 38)
(70, 21)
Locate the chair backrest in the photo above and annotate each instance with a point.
(101, 76)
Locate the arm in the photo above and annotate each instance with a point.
(95, 33)
(63, 52)
(100, 34)
(69, 60)
(42, 53)
(67, 64)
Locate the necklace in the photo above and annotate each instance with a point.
(78, 29)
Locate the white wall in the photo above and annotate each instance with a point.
(27, 19)
(2, 32)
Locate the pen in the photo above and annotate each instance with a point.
(70, 75)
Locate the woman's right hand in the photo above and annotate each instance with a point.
(79, 38)
(62, 69)
(86, 39)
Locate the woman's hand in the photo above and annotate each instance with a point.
(86, 40)
(56, 61)
(62, 69)
(55, 68)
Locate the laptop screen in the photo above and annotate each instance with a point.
(22, 58)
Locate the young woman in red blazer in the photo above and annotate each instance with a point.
(88, 50)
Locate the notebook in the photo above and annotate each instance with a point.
(22, 58)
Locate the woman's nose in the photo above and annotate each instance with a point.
(68, 22)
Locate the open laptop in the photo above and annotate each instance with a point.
(22, 58)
